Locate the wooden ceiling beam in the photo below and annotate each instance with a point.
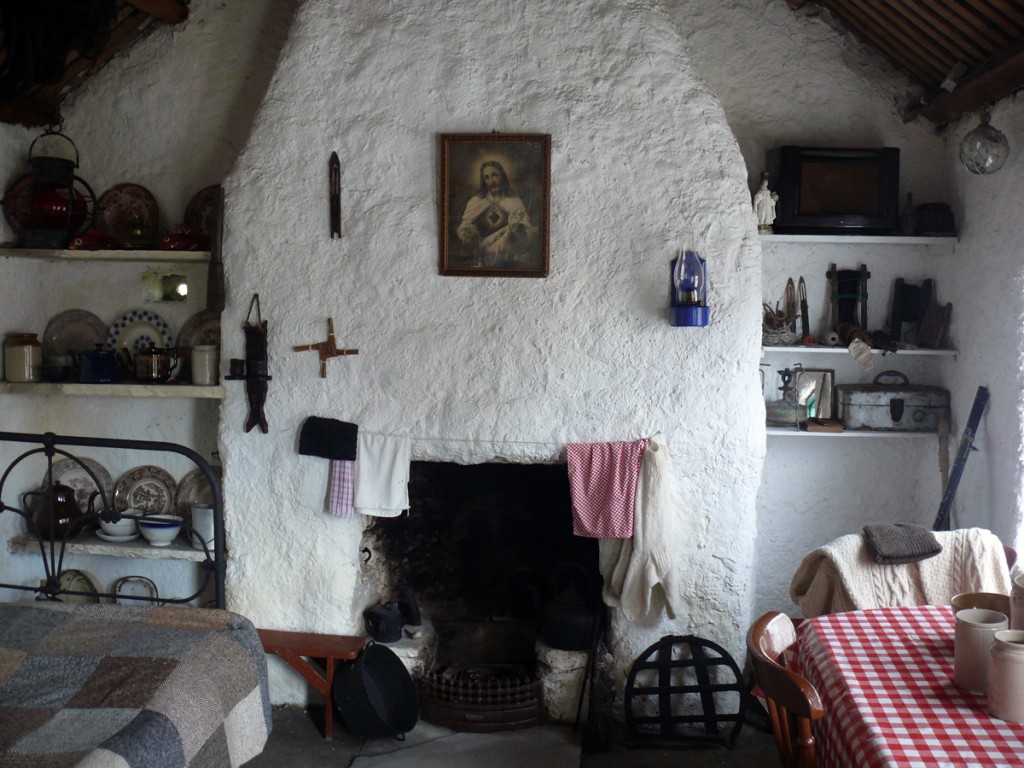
(959, 41)
(902, 55)
(994, 81)
(1011, 10)
(170, 11)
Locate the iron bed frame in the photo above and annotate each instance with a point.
(52, 550)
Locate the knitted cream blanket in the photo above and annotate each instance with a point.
(842, 575)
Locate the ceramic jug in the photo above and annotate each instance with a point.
(65, 511)
(1006, 676)
(972, 640)
(155, 363)
(1017, 603)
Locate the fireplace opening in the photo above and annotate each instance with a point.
(482, 548)
(482, 542)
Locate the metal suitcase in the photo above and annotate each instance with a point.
(902, 407)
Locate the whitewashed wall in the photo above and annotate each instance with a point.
(479, 368)
(988, 308)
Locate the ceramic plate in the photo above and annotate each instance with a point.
(148, 488)
(202, 328)
(74, 330)
(199, 213)
(137, 329)
(128, 587)
(194, 488)
(129, 214)
(109, 537)
(69, 472)
(77, 581)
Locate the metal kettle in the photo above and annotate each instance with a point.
(569, 620)
(55, 512)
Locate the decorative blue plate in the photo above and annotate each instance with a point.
(136, 329)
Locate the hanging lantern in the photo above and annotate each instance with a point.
(985, 149)
(48, 206)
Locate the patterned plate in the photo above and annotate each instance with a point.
(148, 488)
(69, 472)
(199, 213)
(137, 329)
(129, 213)
(202, 328)
(73, 330)
(194, 488)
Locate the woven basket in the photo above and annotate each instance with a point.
(778, 338)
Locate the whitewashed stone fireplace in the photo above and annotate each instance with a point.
(490, 369)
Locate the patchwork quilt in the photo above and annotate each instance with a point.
(126, 686)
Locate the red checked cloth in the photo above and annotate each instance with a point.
(602, 483)
(885, 677)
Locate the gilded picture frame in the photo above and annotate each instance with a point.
(494, 204)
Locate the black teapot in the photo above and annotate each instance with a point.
(60, 499)
(569, 620)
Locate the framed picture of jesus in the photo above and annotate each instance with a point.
(494, 204)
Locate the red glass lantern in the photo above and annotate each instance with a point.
(50, 205)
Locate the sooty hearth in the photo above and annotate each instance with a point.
(482, 549)
(482, 542)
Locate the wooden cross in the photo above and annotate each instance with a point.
(327, 349)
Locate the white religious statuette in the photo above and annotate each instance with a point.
(764, 206)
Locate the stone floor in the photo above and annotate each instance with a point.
(296, 742)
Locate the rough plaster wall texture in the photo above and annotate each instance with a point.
(173, 111)
(988, 315)
(800, 81)
(478, 369)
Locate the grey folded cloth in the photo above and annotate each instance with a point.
(898, 543)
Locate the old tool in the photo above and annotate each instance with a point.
(326, 349)
(805, 324)
(966, 446)
(215, 269)
(791, 303)
(335, 194)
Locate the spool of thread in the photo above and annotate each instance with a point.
(832, 339)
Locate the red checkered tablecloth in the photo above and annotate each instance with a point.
(885, 677)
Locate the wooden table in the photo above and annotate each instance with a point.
(885, 677)
(296, 648)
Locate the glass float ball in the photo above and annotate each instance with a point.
(985, 149)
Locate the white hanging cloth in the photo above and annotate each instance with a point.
(643, 566)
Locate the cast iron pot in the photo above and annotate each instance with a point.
(375, 694)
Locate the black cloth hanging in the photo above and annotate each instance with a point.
(328, 438)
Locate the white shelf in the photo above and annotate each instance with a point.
(52, 254)
(113, 390)
(937, 245)
(844, 351)
(878, 433)
(88, 544)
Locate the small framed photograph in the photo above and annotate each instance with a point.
(494, 204)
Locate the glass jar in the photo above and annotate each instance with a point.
(1006, 676)
(23, 357)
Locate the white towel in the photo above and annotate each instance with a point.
(382, 474)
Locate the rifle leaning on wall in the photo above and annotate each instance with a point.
(966, 446)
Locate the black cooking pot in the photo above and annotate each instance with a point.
(568, 622)
(384, 622)
(375, 694)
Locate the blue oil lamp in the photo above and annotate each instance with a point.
(688, 305)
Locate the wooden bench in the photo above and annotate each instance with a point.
(296, 648)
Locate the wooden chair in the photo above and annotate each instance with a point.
(792, 701)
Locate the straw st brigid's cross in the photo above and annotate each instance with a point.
(326, 349)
